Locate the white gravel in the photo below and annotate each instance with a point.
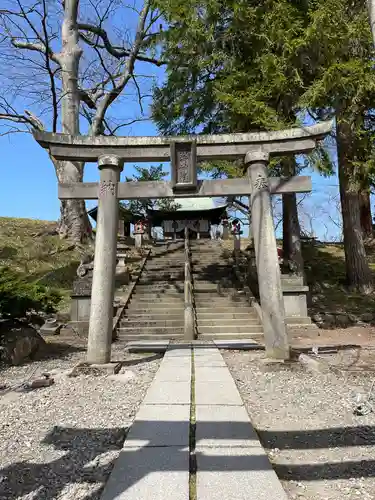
(319, 448)
(61, 442)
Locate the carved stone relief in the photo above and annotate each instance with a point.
(107, 188)
(183, 165)
(261, 182)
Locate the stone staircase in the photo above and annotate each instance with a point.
(221, 311)
(156, 309)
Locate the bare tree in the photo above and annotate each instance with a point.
(67, 64)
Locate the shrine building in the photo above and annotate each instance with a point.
(198, 214)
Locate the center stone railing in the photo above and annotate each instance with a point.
(189, 306)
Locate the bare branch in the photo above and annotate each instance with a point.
(37, 47)
(28, 119)
(117, 52)
(127, 74)
(49, 69)
(127, 124)
(138, 93)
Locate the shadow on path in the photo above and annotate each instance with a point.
(82, 447)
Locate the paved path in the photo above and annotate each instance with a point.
(155, 461)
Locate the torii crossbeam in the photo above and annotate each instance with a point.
(184, 153)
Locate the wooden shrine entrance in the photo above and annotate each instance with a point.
(254, 149)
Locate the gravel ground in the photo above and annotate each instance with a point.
(60, 442)
(319, 448)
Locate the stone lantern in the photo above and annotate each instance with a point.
(225, 223)
(236, 231)
(139, 231)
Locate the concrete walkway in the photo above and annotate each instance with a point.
(193, 385)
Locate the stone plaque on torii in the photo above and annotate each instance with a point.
(184, 153)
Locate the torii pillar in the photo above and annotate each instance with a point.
(103, 283)
(269, 276)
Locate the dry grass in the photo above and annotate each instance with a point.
(326, 277)
(26, 247)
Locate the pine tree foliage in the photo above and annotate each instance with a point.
(140, 207)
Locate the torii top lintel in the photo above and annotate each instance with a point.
(221, 146)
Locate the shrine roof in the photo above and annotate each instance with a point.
(190, 208)
(124, 214)
(196, 204)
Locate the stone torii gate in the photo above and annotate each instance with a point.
(184, 152)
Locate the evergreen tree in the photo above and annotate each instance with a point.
(140, 207)
(243, 65)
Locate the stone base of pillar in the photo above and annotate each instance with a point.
(95, 369)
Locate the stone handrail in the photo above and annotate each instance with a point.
(189, 317)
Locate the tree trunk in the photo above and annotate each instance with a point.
(287, 202)
(251, 239)
(74, 222)
(365, 214)
(357, 269)
(292, 248)
(371, 11)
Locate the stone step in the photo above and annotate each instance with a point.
(201, 264)
(211, 280)
(151, 322)
(164, 265)
(161, 277)
(157, 314)
(222, 309)
(142, 299)
(147, 336)
(219, 321)
(160, 285)
(205, 288)
(175, 268)
(230, 335)
(226, 316)
(165, 262)
(149, 308)
(209, 295)
(220, 301)
(173, 294)
(230, 296)
(158, 281)
(164, 271)
(162, 292)
(151, 330)
(249, 329)
(157, 287)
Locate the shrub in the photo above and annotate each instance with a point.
(18, 297)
